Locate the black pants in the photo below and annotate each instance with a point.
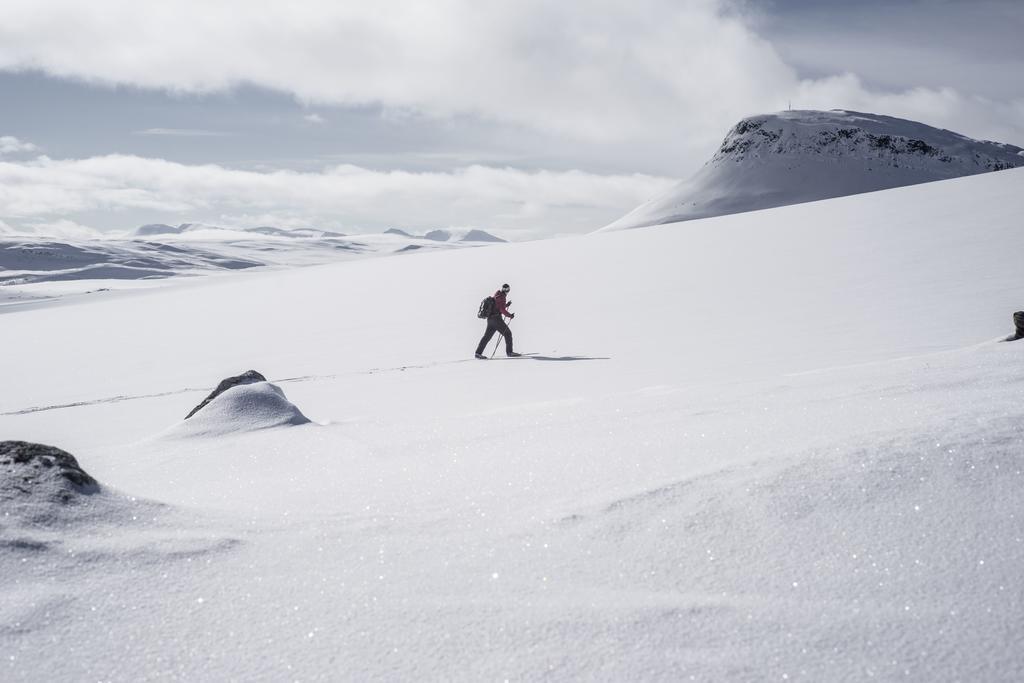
(496, 323)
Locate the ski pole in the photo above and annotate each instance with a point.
(500, 337)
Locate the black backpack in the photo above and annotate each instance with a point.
(486, 308)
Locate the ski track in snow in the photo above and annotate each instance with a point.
(189, 390)
(287, 380)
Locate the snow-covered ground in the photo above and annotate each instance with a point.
(799, 156)
(781, 445)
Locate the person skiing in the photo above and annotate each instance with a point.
(496, 323)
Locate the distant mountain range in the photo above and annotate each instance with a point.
(157, 229)
(157, 250)
(466, 235)
(801, 156)
(452, 235)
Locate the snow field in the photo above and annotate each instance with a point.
(770, 446)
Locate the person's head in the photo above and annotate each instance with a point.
(505, 288)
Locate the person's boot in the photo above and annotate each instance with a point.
(481, 356)
(513, 354)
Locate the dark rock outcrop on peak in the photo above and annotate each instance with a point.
(25, 466)
(886, 140)
(249, 377)
(397, 231)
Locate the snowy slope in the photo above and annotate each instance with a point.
(781, 446)
(801, 156)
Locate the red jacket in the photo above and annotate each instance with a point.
(499, 303)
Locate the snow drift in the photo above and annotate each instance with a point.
(801, 156)
(242, 408)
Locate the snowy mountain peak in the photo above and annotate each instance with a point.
(799, 156)
(897, 143)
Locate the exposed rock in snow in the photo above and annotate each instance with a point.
(1018, 323)
(40, 486)
(241, 408)
(800, 156)
(247, 377)
(396, 231)
(34, 469)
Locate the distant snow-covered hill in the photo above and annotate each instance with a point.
(439, 235)
(792, 157)
(161, 229)
(37, 267)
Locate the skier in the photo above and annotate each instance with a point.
(496, 323)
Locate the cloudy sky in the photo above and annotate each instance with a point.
(524, 117)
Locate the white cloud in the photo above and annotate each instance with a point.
(605, 71)
(12, 145)
(341, 197)
(63, 228)
(609, 72)
(668, 73)
(60, 228)
(945, 108)
(314, 118)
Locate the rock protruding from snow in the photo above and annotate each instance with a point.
(1018, 323)
(242, 407)
(36, 473)
(247, 377)
(801, 156)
